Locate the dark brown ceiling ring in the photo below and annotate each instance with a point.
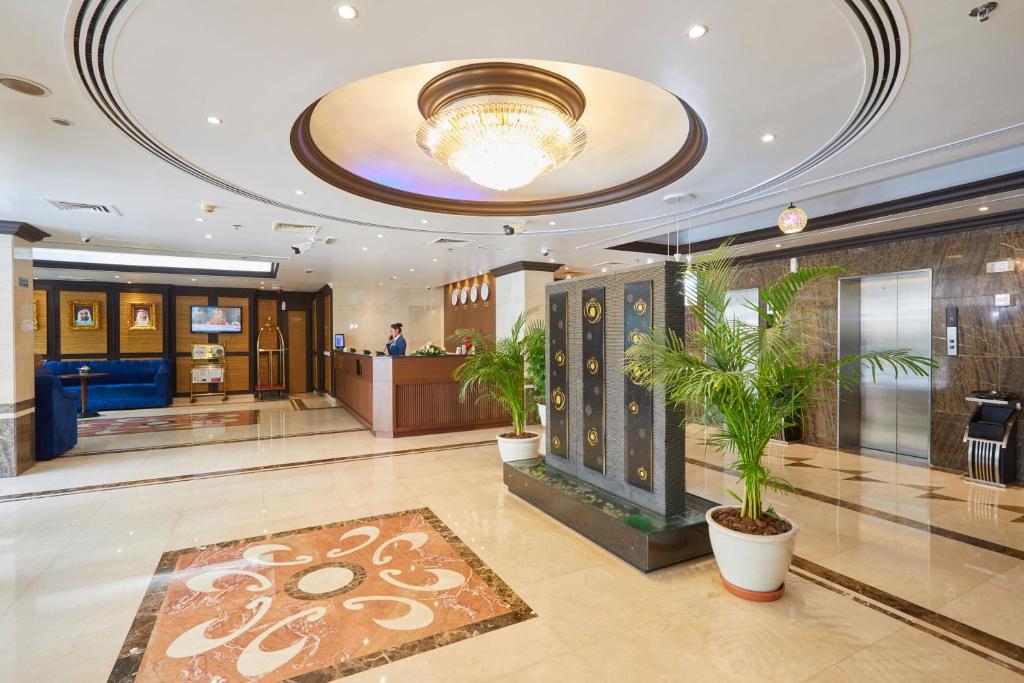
(317, 163)
(501, 78)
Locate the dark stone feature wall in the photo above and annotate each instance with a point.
(668, 488)
(593, 379)
(639, 400)
(558, 364)
(991, 340)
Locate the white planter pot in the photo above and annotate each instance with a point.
(542, 410)
(756, 565)
(518, 449)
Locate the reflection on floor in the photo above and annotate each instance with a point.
(164, 423)
(238, 420)
(902, 573)
(330, 600)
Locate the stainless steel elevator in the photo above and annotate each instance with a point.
(877, 313)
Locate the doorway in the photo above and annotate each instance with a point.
(298, 352)
(886, 312)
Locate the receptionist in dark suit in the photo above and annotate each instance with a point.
(396, 342)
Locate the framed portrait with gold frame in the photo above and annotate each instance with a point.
(142, 316)
(84, 315)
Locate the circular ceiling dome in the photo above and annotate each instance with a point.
(362, 137)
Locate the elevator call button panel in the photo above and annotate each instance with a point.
(951, 325)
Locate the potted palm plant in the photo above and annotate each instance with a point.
(745, 382)
(496, 370)
(536, 372)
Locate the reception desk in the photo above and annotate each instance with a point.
(409, 395)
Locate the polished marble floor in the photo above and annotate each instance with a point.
(902, 573)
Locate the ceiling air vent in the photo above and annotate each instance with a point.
(79, 206)
(449, 242)
(608, 264)
(296, 228)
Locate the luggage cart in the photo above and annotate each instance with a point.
(270, 345)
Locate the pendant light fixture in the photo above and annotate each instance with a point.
(792, 220)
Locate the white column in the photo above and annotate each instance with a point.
(518, 291)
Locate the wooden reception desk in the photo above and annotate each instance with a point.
(405, 396)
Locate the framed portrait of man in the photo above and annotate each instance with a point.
(85, 315)
(142, 316)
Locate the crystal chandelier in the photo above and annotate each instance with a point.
(501, 125)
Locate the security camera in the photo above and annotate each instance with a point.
(544, 251)
(509, 230)
(86, 238)
(302, 247)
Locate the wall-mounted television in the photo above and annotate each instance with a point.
(216, 319)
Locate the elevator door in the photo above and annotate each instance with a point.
(895, 313)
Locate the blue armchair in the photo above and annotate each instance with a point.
(56, 418)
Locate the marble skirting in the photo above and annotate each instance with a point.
(17, 439)
(643, 539)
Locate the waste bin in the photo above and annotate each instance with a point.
(991, 438)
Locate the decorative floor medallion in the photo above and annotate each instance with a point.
(165, 423)
(313, 604)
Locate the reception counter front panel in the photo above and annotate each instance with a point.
(405, 396)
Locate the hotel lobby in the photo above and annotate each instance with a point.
(575, 341)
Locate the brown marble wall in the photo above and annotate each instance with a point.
(991, 338)
(17, 437)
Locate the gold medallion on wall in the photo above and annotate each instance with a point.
(560, 358)
(558, 399)
(593, 366)
(592, 310)
(641, 473)
(640, 306)
(592, 436)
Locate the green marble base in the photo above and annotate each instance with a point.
(642, 538)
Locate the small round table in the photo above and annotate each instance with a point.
(85, 376)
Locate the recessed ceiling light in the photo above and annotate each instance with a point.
(24, 86)
(117, 277)
(768, 137)
(551, 260)
(299, 192)
(604, 270)
(551, 222)
(394, 277)
(193, 279)
(778, 246)
(214, 120)
(424, 221)
(209, 237)
(697, 31)
(380, 236)
(434, 260)
(347, 12)
(650, 261)
(412, 270)
(200, 220)
(262, 282)
(983, 208)
(380, 283)
(129, 281)
(62, 122)
(366, 248)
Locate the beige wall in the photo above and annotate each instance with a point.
(374, 308)
(18, 331)
(518, 292)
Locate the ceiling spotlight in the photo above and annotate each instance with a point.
(778, 246)
(117, 277)
(768, 137)
(129, 281)
(24, 86)
(424, 221)
(697, 31)
(200, 220)
(299, 192)
(209, 237)
(262, 282)
(380, 283)
(193, 279)
(983, 209)
(380, 237)
(366, 248)
(792, 220)
(982, 12)
(551, 260)
(480, 272)
(551, 222)
(62, 122)
(394, 277)
(347, 12)
(214, 120)
(412, 270)
(434, 260)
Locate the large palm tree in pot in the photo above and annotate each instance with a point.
(745, 382)
(496, 370)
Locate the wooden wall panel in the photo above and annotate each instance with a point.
(142, 341)
(76, 340)
(266, 308)
(328, 343)
(237, 378)
(183, 338)
(436, 405)
(39, 343)
(182, 373)
(236, 342)
(470, 316)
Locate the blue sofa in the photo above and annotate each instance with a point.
(56, 417)
(129, 384)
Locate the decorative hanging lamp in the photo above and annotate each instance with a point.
(792, 220)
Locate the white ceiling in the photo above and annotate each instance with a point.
(795, 68)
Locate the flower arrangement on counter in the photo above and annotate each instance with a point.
(429, 349)
(84, 370)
